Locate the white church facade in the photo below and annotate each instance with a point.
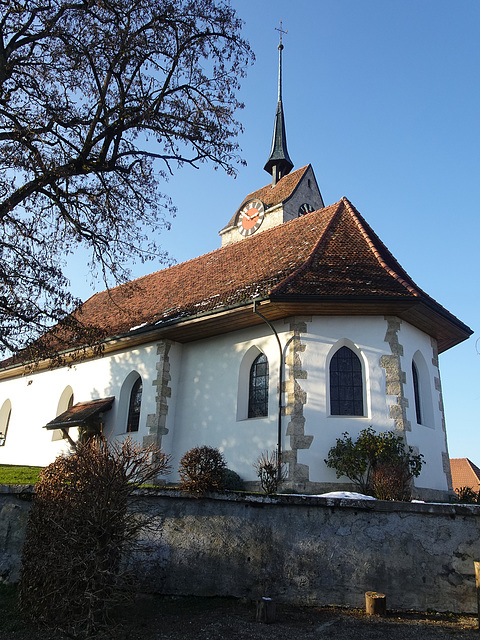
(301, 327)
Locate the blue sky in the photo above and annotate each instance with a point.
(382, 97)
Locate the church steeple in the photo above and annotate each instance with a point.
(279, 163)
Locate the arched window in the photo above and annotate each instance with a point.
(422, 392)
(135, 406)
(65, 403)
(346, 384)
(258, 388)
(5, 413)
(416, 391)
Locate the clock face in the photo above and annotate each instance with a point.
(250, 217)
(305, 208)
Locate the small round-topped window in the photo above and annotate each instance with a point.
(305, 208)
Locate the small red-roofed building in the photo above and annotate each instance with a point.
(302, 326)
(464, 474)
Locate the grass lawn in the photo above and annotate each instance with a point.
(18, 474)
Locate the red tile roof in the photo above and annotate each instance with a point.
(273, 195)
(327, 255)
(81, 413)
(331, 252)
(464, 474)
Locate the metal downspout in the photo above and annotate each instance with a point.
(280, 379)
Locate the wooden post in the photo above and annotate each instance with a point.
(265, 610)
(375, 603)
(477, 583)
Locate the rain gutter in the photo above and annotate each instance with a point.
(280, 389)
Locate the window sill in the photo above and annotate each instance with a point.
(348, 416)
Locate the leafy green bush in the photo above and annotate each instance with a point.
(232, 481)
(378, 464)
(202, 469)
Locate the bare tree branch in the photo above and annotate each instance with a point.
(97, 99)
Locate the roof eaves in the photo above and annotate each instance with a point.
(147, 329)
(438, 308)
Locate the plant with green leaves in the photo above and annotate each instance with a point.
(467, 495)
(378, 464)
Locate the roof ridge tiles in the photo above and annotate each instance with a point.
(219, 250)
(361, 227)
(298, 173)
(473, 466)
(323, 238)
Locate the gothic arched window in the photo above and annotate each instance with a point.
(134, 406)
(258, 388)
(416, 391)
(5, 413)
(65, 402)
(346, 384)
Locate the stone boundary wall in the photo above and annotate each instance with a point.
(295, 549)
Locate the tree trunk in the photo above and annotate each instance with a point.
(477, 583)
(265, 610)
(375, 603)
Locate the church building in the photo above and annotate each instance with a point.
(302, 326)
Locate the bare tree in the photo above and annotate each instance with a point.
(100, 100)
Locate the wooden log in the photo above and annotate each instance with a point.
(265, 610)
(375, 603)
(477, 583)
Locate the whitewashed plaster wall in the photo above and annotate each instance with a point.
(366, 337)
(35, 400)
(430, 436)
(208, 395)
(210, 384)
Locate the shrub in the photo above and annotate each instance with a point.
(375, 462)
(467, 495)
(202, 469)
(80, 532)
(232, 481)
(391, 481)
(270, 471)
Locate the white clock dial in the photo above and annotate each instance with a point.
(250, 217)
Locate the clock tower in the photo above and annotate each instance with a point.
(288, 196)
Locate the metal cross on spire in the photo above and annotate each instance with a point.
(281, 31)
(280, 49)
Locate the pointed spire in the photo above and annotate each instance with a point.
(279, 163)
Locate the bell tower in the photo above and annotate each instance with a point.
(290, 194)
(279, 163)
